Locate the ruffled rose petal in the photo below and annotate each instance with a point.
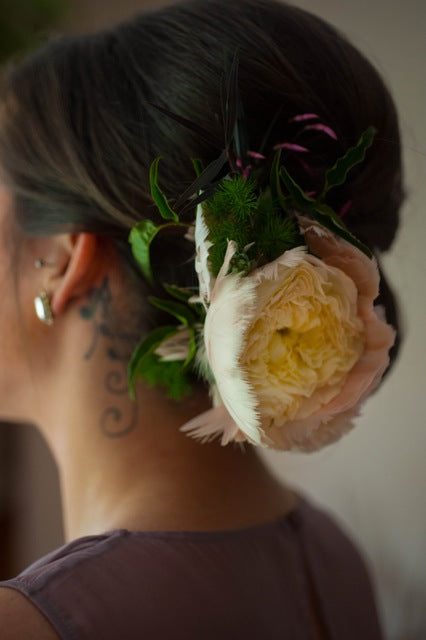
(340, 254)
(335, 418)
(228, 316)
(289, 259)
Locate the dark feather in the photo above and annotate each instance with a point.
(204, 179)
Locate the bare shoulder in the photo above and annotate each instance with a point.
(21, 620)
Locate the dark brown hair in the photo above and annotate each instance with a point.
(78, 130)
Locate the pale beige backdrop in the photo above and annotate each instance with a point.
(375, 479)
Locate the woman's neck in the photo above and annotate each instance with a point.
(152, 476)
(125, 464)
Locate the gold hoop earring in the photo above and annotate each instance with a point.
(43, 309)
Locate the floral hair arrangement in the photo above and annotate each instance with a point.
(283, 327)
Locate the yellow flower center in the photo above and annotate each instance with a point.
(305, 339)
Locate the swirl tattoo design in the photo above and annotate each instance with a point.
(119, 419)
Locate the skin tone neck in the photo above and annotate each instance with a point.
(125, 464)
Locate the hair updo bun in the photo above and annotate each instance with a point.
(78, 131)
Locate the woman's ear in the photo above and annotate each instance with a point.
(81, 270)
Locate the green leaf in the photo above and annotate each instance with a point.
(140, 239)
(176, 309)
(334, 224)
(275, 183)
(178, 292)
(330, 213)
(353, 156)
(169, 375)
(183, 295)
(198, 166)
(147, 346)
(191, 351)
(158, 196)
(298, 196)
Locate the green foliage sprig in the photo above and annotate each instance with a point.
(239, 211)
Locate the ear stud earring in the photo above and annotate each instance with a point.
(42, 308)
(42, 305)
(40, 263)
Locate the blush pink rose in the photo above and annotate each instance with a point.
(294, 347)
(334, 418)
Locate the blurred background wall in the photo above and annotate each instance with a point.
(374, 480)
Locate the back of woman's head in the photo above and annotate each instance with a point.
(79, 129)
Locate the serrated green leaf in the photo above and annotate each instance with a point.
(176, 309)
(147, 346)
(299, 198)
(330, 213)
(140, 239)
(158, 196)
(340, 230)
(353, 156)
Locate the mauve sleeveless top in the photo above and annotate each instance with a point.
(184, 585)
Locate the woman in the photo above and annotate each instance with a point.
(168, 538)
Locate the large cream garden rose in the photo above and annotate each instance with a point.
(294, 347)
